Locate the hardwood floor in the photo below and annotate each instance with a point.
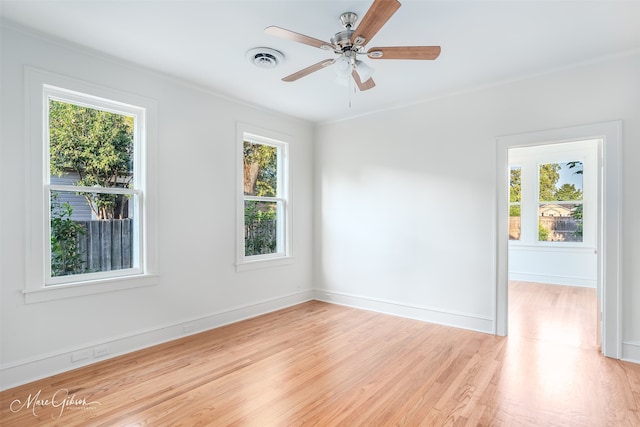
(322, 364)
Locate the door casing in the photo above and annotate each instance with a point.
(609, 241)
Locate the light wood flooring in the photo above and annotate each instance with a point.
(324, 365)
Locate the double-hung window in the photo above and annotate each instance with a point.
(93, 187)
(264, 203)
(560, 202)
(90, 207)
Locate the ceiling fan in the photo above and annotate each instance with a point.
(350, 43)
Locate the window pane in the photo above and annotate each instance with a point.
(515, 185)
(560, 210)
(561, 181)
(261, 227)
(81, 243)
(260, 170)
(89, 147)
(560, 222)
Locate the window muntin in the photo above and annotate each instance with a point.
(93, 159)
(264, 199)
(515, 203)
(560, 202)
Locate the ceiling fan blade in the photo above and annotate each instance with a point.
(306, 71)
(362, 86)
(297, 37)
(377, 15)
(404, 52)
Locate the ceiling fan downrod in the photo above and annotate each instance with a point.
(342, 39)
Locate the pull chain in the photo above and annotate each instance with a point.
(351, 88)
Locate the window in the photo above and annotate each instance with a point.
(94, 196)
(91, 199)
(560, 207)
(515, 203)
(558, 195)
(264, 204)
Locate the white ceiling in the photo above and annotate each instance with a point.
(205, 42)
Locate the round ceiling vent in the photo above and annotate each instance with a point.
(264, 57)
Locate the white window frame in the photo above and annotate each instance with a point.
(282, 255)
(41, 86)
(530, 197)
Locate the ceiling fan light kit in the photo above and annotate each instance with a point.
(343, 66)
(350, 42)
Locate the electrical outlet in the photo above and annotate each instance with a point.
(76, 356)
(188, 328)
(101, 350)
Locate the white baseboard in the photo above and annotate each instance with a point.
(631, 352)
(447, 318)
(15, 374)
(553, 280)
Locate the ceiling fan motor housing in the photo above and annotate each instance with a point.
(343, 40)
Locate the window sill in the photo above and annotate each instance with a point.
(552, 247)
(263, 263)
(76, 289)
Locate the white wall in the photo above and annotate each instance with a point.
(407, 198)
(196, 202)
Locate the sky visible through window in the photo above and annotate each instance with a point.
(569, 175)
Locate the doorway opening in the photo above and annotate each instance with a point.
(553, 238)
(605, 234)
